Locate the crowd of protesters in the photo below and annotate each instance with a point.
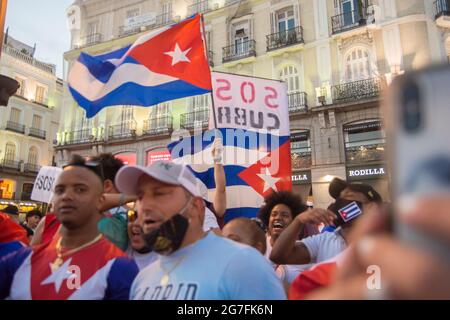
(119, 231)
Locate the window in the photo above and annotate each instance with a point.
(40, 93)
(93, 28)
(357, 65)
(127, 121)
(21, 90)
(166, 12)
(10, 151)
(285, 20)
(36, 123)
(200, 102)
(161, 115)
(132, 13)
(289, 75)
(300, 150)
(33, 156)
(241, 41)
(364, 141)
(349, 9)
(15, 115)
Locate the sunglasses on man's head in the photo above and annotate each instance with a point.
(94, 166)
(259, 223)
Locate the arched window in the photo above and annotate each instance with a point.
(33, 156)
(357, 64)
(10, 151)
(289, 75)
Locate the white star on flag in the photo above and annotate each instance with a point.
(59, 275)
(269, 180)
(178, 55)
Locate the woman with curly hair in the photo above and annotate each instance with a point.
(279, 210)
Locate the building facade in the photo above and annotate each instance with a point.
(29, 124)
(336, 56)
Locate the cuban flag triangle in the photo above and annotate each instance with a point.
(166, 64)
(253, 123)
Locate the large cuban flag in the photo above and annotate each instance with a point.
(253, 122)
(163, 65)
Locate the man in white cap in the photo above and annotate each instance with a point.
(173, 211)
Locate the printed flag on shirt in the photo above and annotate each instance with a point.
(163, 65)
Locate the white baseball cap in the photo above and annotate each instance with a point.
(127, 177)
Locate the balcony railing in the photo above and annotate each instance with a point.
(301, 158)
(348, 20)
(196, 119)
(364, 151)
(157, 126)
(91, 39)
(200, 7)
(442, 8)
(31, 167)
(284, 38)
(79, 137)
(239, 51)
(357, 90)
(34, 132)
(125, 130)
(297, 101)
(164, 18)
(10, 164)
(14, 126)
(13, 52)
(125, 31)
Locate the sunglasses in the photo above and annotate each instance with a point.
(94, 166)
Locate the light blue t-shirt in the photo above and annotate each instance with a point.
(213, 268)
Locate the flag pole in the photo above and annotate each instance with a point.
(207, 58)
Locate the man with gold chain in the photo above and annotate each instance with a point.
(191, 264)
(79, 263)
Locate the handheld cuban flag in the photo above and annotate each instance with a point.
(166, 64)
(253, 123)
(350, 211)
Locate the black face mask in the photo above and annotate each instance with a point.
(168, 237)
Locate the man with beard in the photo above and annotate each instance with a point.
(172, 212)
(79, 263)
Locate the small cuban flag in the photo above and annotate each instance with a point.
(350, 211)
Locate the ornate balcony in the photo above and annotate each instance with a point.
(31, 167)
(356, 90)
(238, 51)
(37, 133)
(125, 130)
(14, 126)
(349, 20)
(284, 38)
(158, 126)
(200, 7)
(297, 102)
(196, 119)
(91, 39)
(7, 164)
(79, 137)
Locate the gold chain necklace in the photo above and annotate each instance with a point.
(59, 255)
(165, 278)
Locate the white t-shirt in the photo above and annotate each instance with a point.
(212, 268)
(324, 246)
(142, 259)
(210, 221)
(286, 272)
